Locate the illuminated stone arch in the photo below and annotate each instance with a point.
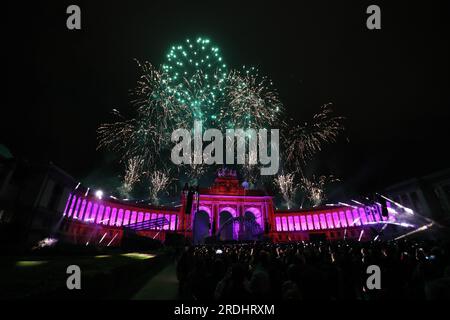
(257, 212)
(204, 208)
(201, 226)
(233, 212)
(230, 209)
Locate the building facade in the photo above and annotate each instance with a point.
(428, 195)
(225, 211)
(32, 199)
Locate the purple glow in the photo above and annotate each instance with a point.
(356, 218)
(67, 204)
(303, 223)
(323, 222)
(337, 222)
(126, 218)
(330, 221)
(87, 215)
(83, 206)
(166, 227)
(316, 222)
(72, 206)
(119, 218)
(154, 216)
(94, 212)
(297, 223)
(160, 216)
(100, 214)
(342, 219)
(291, 223)
(278, 223)
(349, 217)
(363, 216)
(106, 216)
(377, 210)
(310, 222)
(112, 219)
(133, 217)
(284, 223)
(369, 214)
(257, 213)
(173, 222)
(391, 216)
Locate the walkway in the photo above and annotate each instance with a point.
(163, 286)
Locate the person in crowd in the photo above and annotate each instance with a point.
(314, 270)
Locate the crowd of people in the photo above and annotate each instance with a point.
(314, 270)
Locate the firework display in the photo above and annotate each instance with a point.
(159, 180)
(195, 74)
(195, 84)
(314, 188)
(252, 102)
(286, 184)
(132, 174)
(308, 139)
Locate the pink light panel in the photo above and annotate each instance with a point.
(336, 219)
(278, 223)
(93, 211)
(101, 210)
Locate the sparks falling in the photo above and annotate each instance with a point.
(132, 174)
(252, 101)
(159, 180)
(195, 73)
(315, 188)
(195, 83)
(304, 141)
(285, 182)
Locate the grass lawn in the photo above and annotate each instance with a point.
(106, 276)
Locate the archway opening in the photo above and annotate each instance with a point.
(251, 230)
(249, 216)
(226, 226)
(201, 227)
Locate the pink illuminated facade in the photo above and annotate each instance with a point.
(225, 211)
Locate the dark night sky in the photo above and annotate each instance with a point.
(391, 84)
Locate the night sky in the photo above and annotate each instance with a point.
(392, 84)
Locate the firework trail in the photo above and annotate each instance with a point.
(303, 141)
(159, 180)
(251, 169)
(315, 188)
(156, 103)
(194, 172)
(285, 182)
(194, 83)
(133, 172)
(147, 134)
(196, 75)
(252, 103)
